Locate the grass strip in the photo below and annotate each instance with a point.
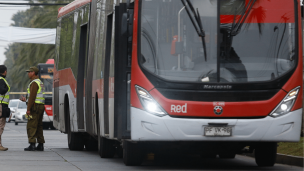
(294, 149)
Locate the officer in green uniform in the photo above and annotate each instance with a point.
(4, 97)
(35, 109)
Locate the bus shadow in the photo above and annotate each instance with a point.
(195, 162)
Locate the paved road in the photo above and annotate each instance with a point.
(57, 156)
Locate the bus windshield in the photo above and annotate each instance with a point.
(246, 40)
(47, 80)
(46, 76)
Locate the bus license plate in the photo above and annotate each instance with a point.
(218, 131)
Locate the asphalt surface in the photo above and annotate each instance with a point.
(57, 156)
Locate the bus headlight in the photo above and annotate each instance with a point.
(286, 104)
(149, 104)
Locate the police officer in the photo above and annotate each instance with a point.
(4, 100)
(35, 109)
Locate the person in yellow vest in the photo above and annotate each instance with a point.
(4, 100)
(35, 110)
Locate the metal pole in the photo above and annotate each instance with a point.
(179, 36)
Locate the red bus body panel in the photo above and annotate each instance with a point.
(137, 76)
(297, 77)
(71, 7)
(267, 12)
(50, 61)
(66, 78)
(48, 110)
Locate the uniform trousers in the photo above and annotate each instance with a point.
(34, 126)
(2, 125)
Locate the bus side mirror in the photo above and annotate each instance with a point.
(176, 47)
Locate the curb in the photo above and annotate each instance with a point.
(286, 159)
(290, 160)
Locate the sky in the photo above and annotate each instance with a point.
(6, 13)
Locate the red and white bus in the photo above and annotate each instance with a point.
(159, 76)
(46, 76)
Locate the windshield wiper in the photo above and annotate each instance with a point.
(236, 27)
(197, 23)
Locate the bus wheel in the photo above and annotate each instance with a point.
(52, 127)
(75, 140)
(91, 144)
(45, 125)
(227, 156)
(208, 155)
(107, 148)
(16, 123)
(119, 152)
(132, 154)
(265, 154)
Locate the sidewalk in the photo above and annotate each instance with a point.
(16, 159)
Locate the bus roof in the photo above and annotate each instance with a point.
(72, 6)
(50, 61)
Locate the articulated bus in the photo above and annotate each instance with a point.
(204, 77)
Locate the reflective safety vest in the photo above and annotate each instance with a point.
(40, 93)
(5, 97)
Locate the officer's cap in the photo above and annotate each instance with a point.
(34, 69)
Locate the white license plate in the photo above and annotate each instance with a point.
(218, 131)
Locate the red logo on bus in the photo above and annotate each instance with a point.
(218, 110)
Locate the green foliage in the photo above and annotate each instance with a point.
(20, 56)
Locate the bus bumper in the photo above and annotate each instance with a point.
(148, 127)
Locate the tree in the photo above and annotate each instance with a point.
(21, 56)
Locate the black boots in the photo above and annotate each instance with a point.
(31, 147)
(40, 147)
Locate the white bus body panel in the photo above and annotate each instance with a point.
(101, 116)
(111, 118)
(66, 90)
(148, 127)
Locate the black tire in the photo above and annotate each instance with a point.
(45, 125)
(119, 152)
(106, 148)
(208, 155)
(75, 140)
(161, 158)
(52, 127)
(16, 123)
(266, 154)
(91, 144)
(227, 156)
(132, 154)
